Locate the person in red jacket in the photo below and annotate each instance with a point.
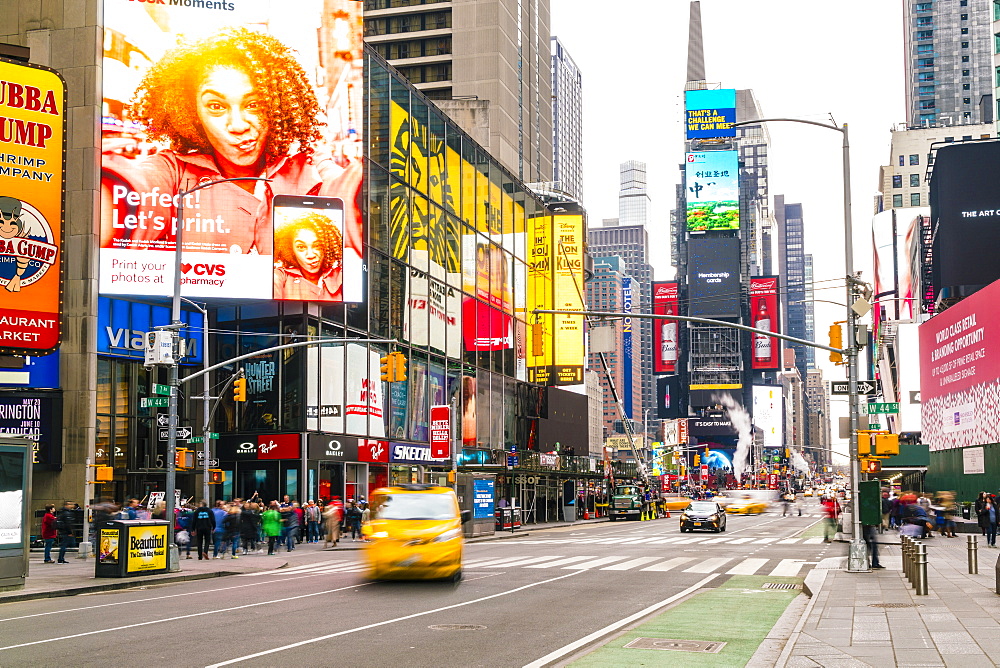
(831, 511)
(49, 532)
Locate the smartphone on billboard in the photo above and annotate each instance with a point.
(308, 248)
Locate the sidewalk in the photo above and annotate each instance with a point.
(77, 577)
(876, 618)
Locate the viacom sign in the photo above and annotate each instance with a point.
(122, 327)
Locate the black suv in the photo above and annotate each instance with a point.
(707, 515)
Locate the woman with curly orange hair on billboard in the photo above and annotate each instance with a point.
(308, 253)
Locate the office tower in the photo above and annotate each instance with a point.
(486, 63)
(796, 426)
(949, 62)
(753, 142)
(604, 292)
(792, 268)
(818, 406)
(810, 314)
(633, 198)
(567, 122)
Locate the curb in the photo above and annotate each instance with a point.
(112, 586)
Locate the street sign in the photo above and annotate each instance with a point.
(196, 439)
(154, 402)
(162, 419)
(213, 434)
(183, 433)
(877, 409)
(865, 387)
(161, 389)
(512, 460)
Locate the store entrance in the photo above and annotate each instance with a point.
(261, 478)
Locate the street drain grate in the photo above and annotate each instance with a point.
(781, 585)
(703, 646)
(895, 605)
(456, 627)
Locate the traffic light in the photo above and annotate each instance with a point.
(185, 459)
(873, 466)
(388, 368)
(836, 341)
(240, 389)
(864, 444)
(216, 477)
(886, 445)
(537, 342)
(104, 474)
(697, 460)
(399, 375)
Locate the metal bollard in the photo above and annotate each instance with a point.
(921, 584)
(973, 545)
(906, 543)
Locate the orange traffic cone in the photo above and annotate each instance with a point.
(586, 513)
(667, 508)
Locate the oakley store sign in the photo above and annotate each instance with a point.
(330, 447)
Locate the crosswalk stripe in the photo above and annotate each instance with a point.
(788, 567)
(519, 562)
(788, 541)
(560, 562)
(481, 563)
(764, 541)
(664, 541)
(708, 565)
(669, 564)
(593, 564)
(631, 563)
(294, 569)
(812, 541)
(746, 567)
(740, 541)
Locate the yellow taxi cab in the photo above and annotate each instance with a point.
(675, 503)
(415, 532)
(746, 506)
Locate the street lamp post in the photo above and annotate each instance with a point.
(858, 554)
(206, 396)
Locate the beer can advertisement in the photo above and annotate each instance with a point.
(765, 353)
(147, 548)
(666, 332)
(196, 95)
(31, 207)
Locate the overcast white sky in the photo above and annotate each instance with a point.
(802, 60)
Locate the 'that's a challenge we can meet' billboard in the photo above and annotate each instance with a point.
(264, 91)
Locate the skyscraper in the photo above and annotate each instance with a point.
(490, 75)
(567, 122)
(633, 199)
(795, 307)
(949, 62)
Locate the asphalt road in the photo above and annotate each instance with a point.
(526, 598)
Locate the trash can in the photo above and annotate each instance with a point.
(966, 512)
(126, 548)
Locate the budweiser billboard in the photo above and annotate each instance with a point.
(766, 350)
(665, 331)
(960, 373)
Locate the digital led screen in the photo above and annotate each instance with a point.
(710, 113)
(666, 332)
(766, 350)
(713, 191)
(714, 277)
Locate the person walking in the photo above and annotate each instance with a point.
(289, 526)
(313, 518)
(184, 516)
(988, 520)
(886, 508)
(300, 522)
(203, 526)
(231, 532)
(271, 524)
(49, 533)
(871, 538)
(249, 527)
(219, 511)
(831, 511)
(979, 505)
(333, 516)
(64, 528)
(354, 521)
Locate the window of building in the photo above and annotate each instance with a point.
(925, 34)
(926, 48)
(897, 200)
(914, 199)
(925, 21)
(926, 104)
(926, 90)
(966, 100)
(914, 158)
(925, 76)
(966, 137)
(924, 6)
(965, 17)
(925, 62)
(966, 114)
(965, 59)
(949, 139)
(965, 31)
(901, 160)
(914, 180)
(897, 180)
(966, 86)
(996, 10)
(965, 73)
(965, 45)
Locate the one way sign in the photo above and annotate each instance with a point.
(865, 387)
(183, 433)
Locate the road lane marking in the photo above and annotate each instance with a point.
(480, 563)
(632, 563)
(600, 633)
(560, 562)
(747, 567)
(764, 541)
(519, 562)
(788, 567)
(297, 569)
(788, 541)
(393, 621)
(669, 564)
(593, 564)
(740, 541)
(812, 541)
(708, 565)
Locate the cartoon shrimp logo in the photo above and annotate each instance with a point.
(26, 251)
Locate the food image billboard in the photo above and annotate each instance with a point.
(32, 162)
(713, 193)
(665, 331)
(200, 92)
(710, 113)
(766, 350)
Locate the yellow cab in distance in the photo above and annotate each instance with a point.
(415, 532)
(746, 506)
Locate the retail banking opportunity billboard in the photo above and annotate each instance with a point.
(766, 350)
(713, 191)
(198, 92)
(666, 331)
(710, 113)
(960, 373)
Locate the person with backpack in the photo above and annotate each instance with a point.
(312, 517)
(49, 533)
(64, 528)
(353, 516)
(203, 525)
(231, 531)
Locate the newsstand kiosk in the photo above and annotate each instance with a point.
(126, 548)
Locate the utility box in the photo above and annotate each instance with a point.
(15, 504)
(126, 548)
(477, 493)
(870, 502)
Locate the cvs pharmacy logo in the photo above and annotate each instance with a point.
(202, 269)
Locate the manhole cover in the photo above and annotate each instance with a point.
(704, 646)
(895, 605)
(781, 585)
(456, 627)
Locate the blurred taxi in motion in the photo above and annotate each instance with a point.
(674, 503)
(415, 533)
(746, 506)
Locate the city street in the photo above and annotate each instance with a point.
(525, 598)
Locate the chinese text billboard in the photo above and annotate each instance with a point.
(252, 91)
(665, 331)
(713, 193)
(766, 351)
(710, 113)
(32, 161)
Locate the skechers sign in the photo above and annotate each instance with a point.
(411, 453)
(122, 327)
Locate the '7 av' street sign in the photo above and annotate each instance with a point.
(865, 387)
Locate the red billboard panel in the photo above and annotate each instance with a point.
(279, 446)
(766, 350)
(440, 432)
(960, 373)
(665, 331)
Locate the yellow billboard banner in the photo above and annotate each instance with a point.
(147, 548)
(568, 248)
(539, 248)
(32, 165)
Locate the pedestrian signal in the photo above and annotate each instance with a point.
(886, 445)
(836, 341)
(216, 476)
(873, 466)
